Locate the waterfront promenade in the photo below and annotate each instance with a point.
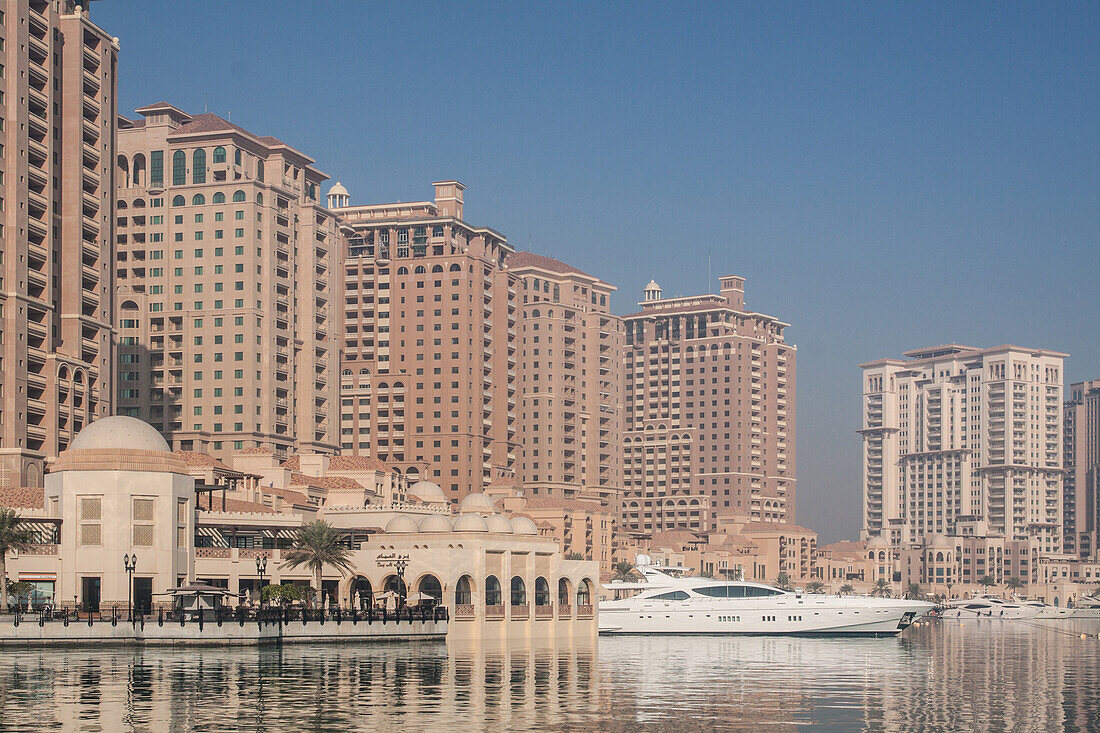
(227, 628)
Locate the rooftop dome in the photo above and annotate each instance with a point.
(338, 189)
(470, 523)
(477, 503)
(402, 524)
(523, 525)
(499, 524)
(428, 492)
(435, 523)
(119, 431)
(652, 284)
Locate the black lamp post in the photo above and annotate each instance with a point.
(261, 568)
(400, 565)
(129, 562)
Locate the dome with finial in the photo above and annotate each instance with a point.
(119, 443)
(338, 189)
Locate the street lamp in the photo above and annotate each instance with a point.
(400, 565)
(129, 562)
(261, 568)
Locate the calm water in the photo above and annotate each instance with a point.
(980, 676)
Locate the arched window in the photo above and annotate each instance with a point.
(219, 154)
(198, 166)
(139, 203)
(519, 591)
(584, 593)
(219, 198)
(237, 156)
(464, 591)
(456, 267)
(139, 170)
(260, 199)
(198, 200)
(492, 591)
(429, 586)
(123, 172)
(396, 585)
(179, 168)
(238, 197)
(437, 268)
(178, 201)
(565, 592)
(542, 592)
(259, 170)
(360, 594)
(402, 271)
(419, 270)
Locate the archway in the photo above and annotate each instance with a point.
(584, 593)
(396, 585)
(519, 591)
(492, 591)
(360, 593)
(565, 592)
(430, 586)
(464, 591)
(542, 592)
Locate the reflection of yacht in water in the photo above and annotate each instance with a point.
(1088, 608)
(993, 607)
(666, 604)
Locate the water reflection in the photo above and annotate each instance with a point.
(975, 676)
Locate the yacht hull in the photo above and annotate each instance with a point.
(778, 621)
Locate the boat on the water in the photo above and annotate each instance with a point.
(1087, 609)
(992, 607)
(664, 603)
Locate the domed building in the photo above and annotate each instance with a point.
(119, 490)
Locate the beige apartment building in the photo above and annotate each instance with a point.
(570, 352)
(57, 126)
(1081, 457)
(710, 413)
(955, 435)
(227, 334)
(428, 375)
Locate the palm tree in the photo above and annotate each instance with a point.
(987, 581)
(912, 591)
(881, 588)
(316, 545)
(783, 581)
(12, 537)
(815, 586)
(1014, 583)
(622, 570)
(847, 589)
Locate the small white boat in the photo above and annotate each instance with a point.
(992, 607)
(665, 604)
(1088, 608)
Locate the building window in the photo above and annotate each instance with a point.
(156, 168)
(219, 154)
(198, 166)
(179, 168)
(91, 512)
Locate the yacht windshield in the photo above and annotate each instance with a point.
(736, 591)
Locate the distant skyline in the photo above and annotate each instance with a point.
(884, 177)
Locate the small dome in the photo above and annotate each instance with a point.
(477, 503)
(470, 523)
(119, 431)
(435, 523)
(402, 523)
(338, 189)
(499, 524)
(652, 283)
(523, 525)
(428, 492)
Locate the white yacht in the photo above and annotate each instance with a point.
(993, 607)
(1088, 608)
(666, 604)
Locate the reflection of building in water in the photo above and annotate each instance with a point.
(990, 674)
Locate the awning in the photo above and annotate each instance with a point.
(38, 576)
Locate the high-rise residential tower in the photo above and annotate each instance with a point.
(227, 264)
(570, 381)
(57, 124)
(958, 434)
(1081, 490)
(429, 360)
(710, 413)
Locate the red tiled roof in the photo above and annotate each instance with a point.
(294, 497)
(553, 502)
(358, 463)
(255, 450)
(530, 259)
(195, 458)
(324, 482)
(844, 546)
(22, 497)
(773, 527)
(292, 464)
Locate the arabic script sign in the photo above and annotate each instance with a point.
(390, 559)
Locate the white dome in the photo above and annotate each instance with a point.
(499, 524)
(402, 524)
(470, 523)
(477, 503)
(653, 285)
(428, 492)
(119, 431)
(435, 523)
(523, 525)
(338, 189)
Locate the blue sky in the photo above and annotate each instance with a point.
(884, 176)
